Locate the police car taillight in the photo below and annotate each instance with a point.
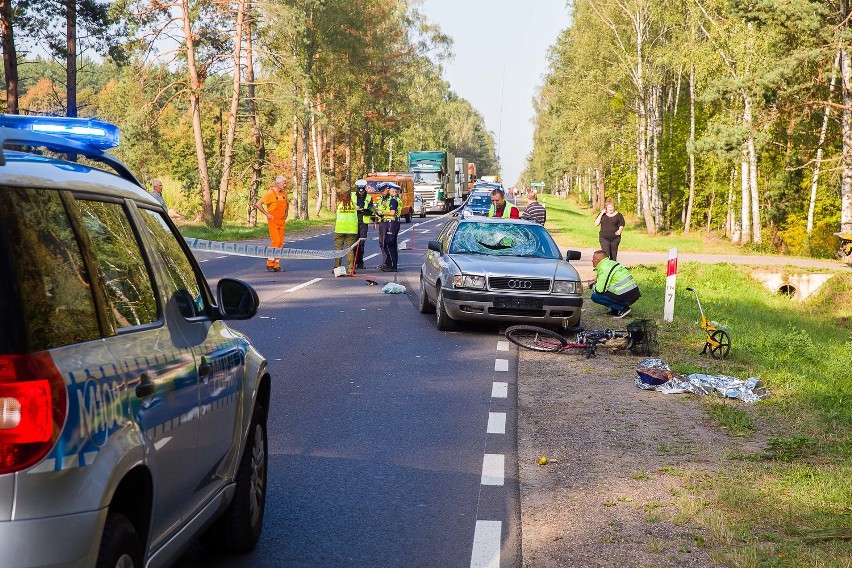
(32, 409)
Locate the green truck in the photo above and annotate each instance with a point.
(435, 180)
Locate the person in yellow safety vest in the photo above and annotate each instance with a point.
(389, 209)
(502, 208)
(363, 203)
(614, 287)
(345, 230)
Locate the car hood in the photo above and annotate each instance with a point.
(482, 265)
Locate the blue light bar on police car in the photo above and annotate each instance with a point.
(94, 133)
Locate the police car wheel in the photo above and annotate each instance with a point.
(443, 321)
(238, 529)
(120, 546)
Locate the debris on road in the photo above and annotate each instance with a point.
(393, 288)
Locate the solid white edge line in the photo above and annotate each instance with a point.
(499, 390)
(493, 469)
(303, 285)
(486, 544)
(502, 346)
(496, 423)
(501, 364)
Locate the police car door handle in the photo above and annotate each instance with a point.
(204, 369)
(146, 386)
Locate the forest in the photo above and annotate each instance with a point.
(731, 117)
(217, 97)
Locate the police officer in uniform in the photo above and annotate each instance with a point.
(362, 202)
(389, 209)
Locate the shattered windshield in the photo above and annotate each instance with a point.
(504, 239)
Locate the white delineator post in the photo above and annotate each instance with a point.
(671, 280)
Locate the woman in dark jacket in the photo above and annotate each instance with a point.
(611, 223)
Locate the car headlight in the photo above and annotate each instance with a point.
(567, 287)
(468, 281)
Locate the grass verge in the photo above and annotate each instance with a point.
(240, 232)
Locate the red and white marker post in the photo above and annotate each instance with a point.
(671, 280)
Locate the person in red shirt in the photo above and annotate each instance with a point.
(502, 208)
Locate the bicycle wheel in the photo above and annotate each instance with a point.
(535, 338)
(723, 344)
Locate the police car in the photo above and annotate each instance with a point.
(132, 419)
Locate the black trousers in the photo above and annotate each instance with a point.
(388, 230)
(362, 234)
(610, 246)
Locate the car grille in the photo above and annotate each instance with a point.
(519, 284)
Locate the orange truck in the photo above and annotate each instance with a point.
(406, 189)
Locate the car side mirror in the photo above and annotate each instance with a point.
(573, 255)
(436, 246)
(237, 300)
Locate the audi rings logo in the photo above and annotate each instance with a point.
(520, 284)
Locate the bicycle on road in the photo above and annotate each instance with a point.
(640, 338)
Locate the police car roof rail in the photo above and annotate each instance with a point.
(16, 137)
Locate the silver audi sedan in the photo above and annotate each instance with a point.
(484, 269)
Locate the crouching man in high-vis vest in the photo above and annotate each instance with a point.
(614, 287)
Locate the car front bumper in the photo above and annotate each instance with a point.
(473, 305)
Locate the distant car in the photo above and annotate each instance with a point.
(499, 270)
(419, 207)
(477, 204)
(132, 419)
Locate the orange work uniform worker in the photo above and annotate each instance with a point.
(275, 205)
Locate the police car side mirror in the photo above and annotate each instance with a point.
(237, 300)
(573, 255)
(436, 246)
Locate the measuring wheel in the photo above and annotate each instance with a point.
(722, 344)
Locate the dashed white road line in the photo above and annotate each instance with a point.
(501, 365)
(492, 469)
(499, 390)
(486, 544)
(502, 345)
(303, 285)
(374, 255)
(496, 423)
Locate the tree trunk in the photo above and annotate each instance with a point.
(333, 174)
(260, 147)
(306, 141)
(228, 150)
(317, 160)
(296, 193)
(10, 56)
(642, 167)
(745, 224)
(822, 132)
(846, 159)
(366, 145)
(347, 165)
(196, 88)
(691, 151)
(71, 57)
(656, 132)
(729, 216)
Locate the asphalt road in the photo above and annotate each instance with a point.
(385, 435)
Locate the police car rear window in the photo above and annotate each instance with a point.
(49, 283)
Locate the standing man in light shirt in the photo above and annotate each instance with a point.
(157, 192)
(534, 211)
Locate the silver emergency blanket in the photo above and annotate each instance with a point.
(260, 251)
(749, 390)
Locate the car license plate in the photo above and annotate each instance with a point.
(519, 303)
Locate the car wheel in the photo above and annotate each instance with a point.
(423, 214)
(424, 305)
(238, 529)
(443, 319)
(120, 546)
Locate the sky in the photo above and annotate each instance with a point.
(500, 49)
